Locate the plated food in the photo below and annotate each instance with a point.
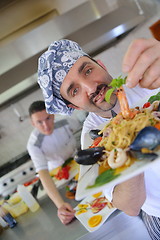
(93, 211)
(95, 205)
(63, 174)
(130, 137)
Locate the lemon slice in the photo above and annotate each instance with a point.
(96, 195)
(81, 211)
(83, 205)
(94, 221)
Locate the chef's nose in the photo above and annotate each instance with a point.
(45, 125)
(89, 86)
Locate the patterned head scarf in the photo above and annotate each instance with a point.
(53, 66)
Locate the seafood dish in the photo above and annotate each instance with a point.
(130, 138)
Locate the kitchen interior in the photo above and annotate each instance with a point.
(104, 29)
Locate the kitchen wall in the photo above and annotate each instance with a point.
(14, 133)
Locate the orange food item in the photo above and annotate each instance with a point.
(70, 195)
(94, 221)
(83, 205)
(102, 169)
(96, 142)
(96, 195)
(81, 211)
(157, 125)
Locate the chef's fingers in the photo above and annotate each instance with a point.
(134, 50)
(66, 212)
(155, 84)
(151, 78)
(66, 209)
(65, 218)
(69, 208)
(141, 55)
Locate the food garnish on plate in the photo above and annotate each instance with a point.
(99, 203)
(94, 220)
(94, 205)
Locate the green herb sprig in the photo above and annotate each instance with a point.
(115, 83)
(104, 177)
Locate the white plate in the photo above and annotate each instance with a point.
(88, 174)
(84, 217)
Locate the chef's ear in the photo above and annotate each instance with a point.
(74, 106)
(101, 64)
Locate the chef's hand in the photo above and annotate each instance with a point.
(66, 213)
(142, 63)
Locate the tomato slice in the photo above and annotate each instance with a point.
(63, 173)
(98, 204)
(146, 105)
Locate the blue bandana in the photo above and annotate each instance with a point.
(53, 66)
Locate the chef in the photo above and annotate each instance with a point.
(70, 79)
(49, 148)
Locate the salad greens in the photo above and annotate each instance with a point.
(104, 177)
(115, 83)
(154, 98)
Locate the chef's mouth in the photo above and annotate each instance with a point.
(99, 94)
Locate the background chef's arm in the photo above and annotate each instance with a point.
(130, 195)
(50, 188)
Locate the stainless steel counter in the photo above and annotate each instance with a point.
(45, 225)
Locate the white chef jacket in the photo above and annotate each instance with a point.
(152, 176)
(51, 151)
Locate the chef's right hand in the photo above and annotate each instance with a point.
(66, 213)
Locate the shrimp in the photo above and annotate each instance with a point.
(127, 113)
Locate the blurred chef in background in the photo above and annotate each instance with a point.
(49, 148)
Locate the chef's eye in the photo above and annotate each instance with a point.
(88, 71)
(74, 92)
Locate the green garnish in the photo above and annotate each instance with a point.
(67, 162)
(115, 83)
(104, 177)
(154, 98)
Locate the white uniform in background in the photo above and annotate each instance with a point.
(152, 175)
(51, 151)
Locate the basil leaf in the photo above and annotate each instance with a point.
(115, 83)
(118, 82)
(104, 177)
(67, 162)
(108, 94)
(154, 98)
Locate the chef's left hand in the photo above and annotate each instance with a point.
(66, 213)
(142, 63)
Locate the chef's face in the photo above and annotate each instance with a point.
(85, 86)
(43, 121)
